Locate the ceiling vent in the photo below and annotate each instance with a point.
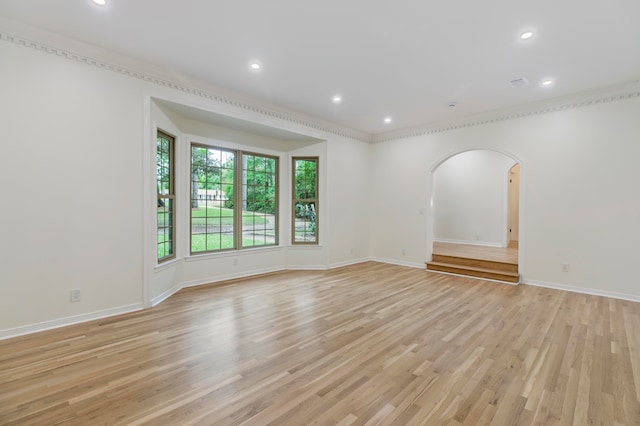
(519, 82)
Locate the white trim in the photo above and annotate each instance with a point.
(230, 253)
(522, 210)
(38, 39)
(306, 268)
(579, 100)
(398, 262)
(212, 280)
(323, 195)
(305, 246)
(149, 226)
(220, 278)
(167, 264)
(266, 111)
(469, 242)
(583, 290)
(505, 206)
(472, 277)
(165, 295)
(349, 262)
(450, 154)
(63, 322)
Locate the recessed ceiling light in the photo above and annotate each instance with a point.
(526, 35)
(255, 66)
(547, 82)
(337, 99)
(100, 2)
(452, 104)
(387, 120)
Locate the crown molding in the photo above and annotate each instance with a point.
(585, 99)
(84, 53)
(94, 56)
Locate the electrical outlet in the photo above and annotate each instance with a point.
(75, 295)
(235, 262)
(565, 267)
(403, 251)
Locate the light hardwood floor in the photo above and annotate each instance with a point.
(364, 344)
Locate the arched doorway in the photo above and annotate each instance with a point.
(475, 215)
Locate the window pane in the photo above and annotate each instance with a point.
(165, 227)
(165, 234)
(305, 184)
(305, 222)
(224, 216)
(259, 195)
(212, 187)
(305, 200)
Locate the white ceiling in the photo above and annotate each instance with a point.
(407, 59)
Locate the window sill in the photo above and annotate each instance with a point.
(230, 253)
(166, 265)
(305, 246)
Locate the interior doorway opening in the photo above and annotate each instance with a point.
(513, 203)
(476, 215)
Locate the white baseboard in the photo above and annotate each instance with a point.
(63, 322)
(349, 262)
(211, 280)
(398, 262)
(219, 278)
(164, 296)
(306, 268)
(583, 290)
(470, 242)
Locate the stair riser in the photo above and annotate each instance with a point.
(476, 263)
(461, 271)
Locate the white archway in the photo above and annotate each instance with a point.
(431, 188)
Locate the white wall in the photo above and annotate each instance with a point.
(470, 199)
(348, 178)
(399, 202)
(71, 186)
(77, 180)
(581, 203)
